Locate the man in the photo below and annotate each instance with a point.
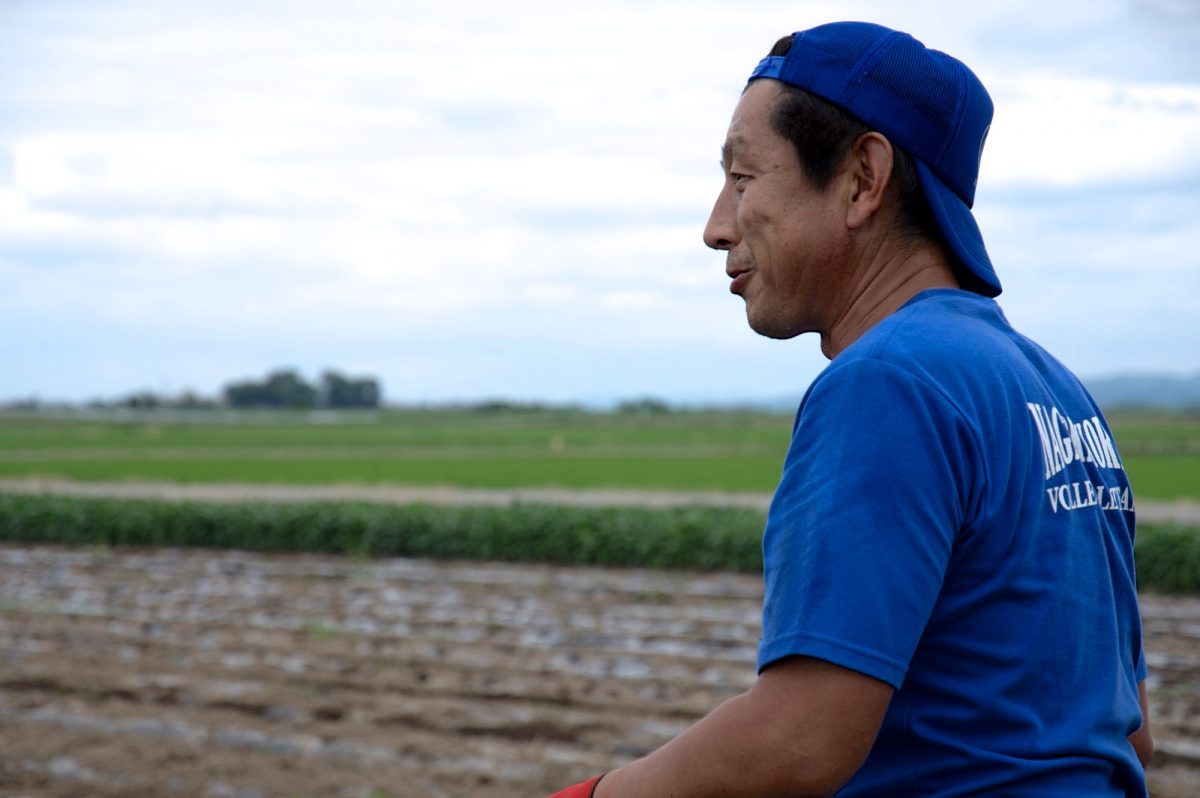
(950, 606)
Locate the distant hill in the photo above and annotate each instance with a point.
(1165, 391)
(1159, 391)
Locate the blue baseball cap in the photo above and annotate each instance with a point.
(924, 101)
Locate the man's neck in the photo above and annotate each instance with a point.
(888, 280)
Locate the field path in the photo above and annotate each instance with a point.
(386, 494)
(1182, 511)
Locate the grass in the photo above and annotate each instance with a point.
(737, 451)
(1164, 476)
(1153, 431)
(699, 450)
(439, 429)
(1168, 557)
(733, 472)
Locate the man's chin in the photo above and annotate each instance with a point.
(771, 328)
(771, 331)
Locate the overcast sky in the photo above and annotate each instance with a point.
(480, 199)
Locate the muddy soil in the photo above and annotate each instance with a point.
(186, 673)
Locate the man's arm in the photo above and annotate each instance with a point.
(803, 729)
(1141, 740)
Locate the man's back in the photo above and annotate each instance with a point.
(950, 606)
(954, 520)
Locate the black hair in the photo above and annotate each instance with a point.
(822, 134)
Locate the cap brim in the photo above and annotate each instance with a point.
(961, 234)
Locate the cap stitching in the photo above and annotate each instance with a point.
(956, 117)
(867, 61)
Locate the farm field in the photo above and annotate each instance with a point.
(137, 673)
(725, 451)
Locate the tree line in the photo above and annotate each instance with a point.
(282, 388)
(286, 388)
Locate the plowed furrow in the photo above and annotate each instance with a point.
(165, 672)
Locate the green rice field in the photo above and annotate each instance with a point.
(683, 450)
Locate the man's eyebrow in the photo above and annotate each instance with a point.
(726, 155)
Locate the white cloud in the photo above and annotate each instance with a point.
(1061, 131)
(250, 179)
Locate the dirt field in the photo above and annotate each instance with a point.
(187, 673)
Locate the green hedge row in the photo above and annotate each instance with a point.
(704, 538)
(1168, 558)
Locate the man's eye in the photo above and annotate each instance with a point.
(738, 177)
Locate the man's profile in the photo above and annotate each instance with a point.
(950, 607)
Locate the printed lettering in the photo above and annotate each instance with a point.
(1062, 440)
(1077, 443)
(1056, 451)
(1064, 497)
(1065, 441)
(1055, 454)
(1086, 442)
(1047, 456)
(1095, 449)
(1106, 443)
(1070, 496)
(1126, 500)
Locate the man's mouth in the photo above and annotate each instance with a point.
(739, 279)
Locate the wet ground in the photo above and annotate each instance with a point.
(189, 673)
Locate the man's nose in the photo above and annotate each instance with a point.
(720, 232)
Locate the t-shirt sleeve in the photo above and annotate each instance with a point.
(860, 532)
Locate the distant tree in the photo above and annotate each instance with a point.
(495, 406)
(142, 400)
(647, 405)
(337, 390)
(499, 406)
(288, 389)
(283, 388)
(189, 400)
(246, 394)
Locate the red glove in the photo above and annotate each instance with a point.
(581, 790)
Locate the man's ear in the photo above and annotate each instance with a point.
(869, 164)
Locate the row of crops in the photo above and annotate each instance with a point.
(712, 538)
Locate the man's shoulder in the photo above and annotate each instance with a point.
(947, 323)
(934, 337)
(958, 345)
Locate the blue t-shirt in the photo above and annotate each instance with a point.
(954, 519)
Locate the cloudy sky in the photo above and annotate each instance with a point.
(479, 199)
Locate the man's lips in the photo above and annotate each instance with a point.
(740, 278)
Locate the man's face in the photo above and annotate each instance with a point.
(786, 241)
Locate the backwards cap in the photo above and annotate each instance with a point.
(924, 101)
